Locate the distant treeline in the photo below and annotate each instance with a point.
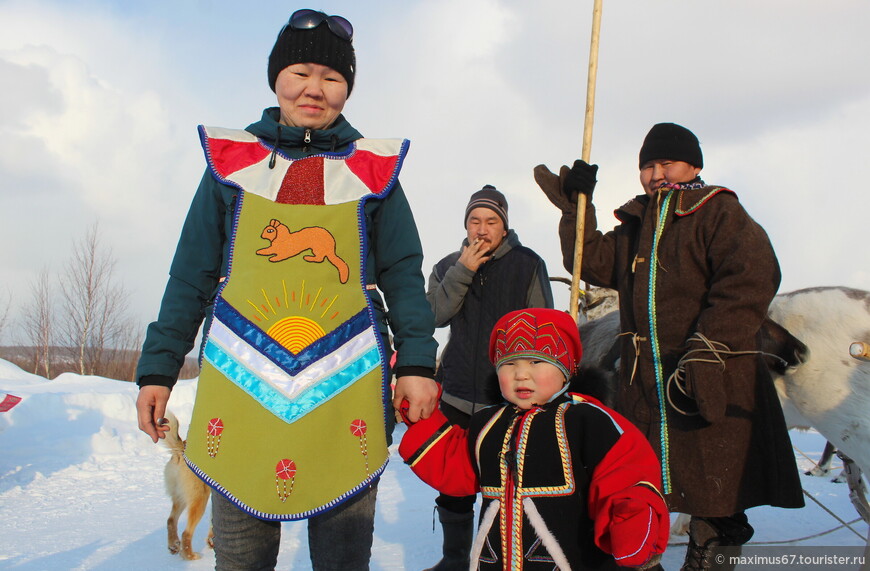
(117, 364)
(75, 319)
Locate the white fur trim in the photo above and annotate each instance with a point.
(482, 531)
(544, 533)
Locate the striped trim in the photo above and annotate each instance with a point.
(654, 342)
(606, 412)
(428, 444)
(290, 384)
(274, 400)
(681, 211)
(652, 487)
(292, 363)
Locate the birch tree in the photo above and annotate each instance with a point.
(94, 311)
(38, 323)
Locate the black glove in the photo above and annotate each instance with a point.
(581, 178)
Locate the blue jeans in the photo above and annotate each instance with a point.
(338, 540)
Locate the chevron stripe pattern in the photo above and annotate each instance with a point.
(290, 385)
(526, 334)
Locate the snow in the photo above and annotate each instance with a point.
(81, 488)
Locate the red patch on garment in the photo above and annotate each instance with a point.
(303, 183)
(230, 156)
(374, 170)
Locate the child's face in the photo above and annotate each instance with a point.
(527, 382)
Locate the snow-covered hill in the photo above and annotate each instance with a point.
(81, 488)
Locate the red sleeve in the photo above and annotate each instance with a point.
(437, 452)
(631, 517)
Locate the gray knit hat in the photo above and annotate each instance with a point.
(488, 197)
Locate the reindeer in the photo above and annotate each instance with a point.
(806, 339)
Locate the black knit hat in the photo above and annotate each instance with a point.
(316, 45)
(488, 197)
(671, 141)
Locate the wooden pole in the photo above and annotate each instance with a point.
(574, 308)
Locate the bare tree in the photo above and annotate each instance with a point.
(128, 345)
(5, 304)
(37, 324)
(95, 316)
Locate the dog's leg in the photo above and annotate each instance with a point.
(194, 513)
(172, 526)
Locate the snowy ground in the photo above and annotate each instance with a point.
(81, 488)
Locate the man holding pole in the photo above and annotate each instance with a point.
(695, 275)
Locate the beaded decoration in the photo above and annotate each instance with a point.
(654, 341)
(213, 439)
(285, 478)
(359, 428)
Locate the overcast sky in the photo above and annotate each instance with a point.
(100, 102)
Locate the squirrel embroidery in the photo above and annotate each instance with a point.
(286, 244)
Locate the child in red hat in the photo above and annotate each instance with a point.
(566, 482)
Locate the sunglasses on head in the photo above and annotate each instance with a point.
(310, 19)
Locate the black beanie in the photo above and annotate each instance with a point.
(671, 141)
(317, 45)
(488, 197)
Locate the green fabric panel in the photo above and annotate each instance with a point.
(328, 456)
(310, 286)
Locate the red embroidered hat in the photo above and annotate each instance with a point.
(547, 334)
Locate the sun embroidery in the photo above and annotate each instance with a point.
(294, 332)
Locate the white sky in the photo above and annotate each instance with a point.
(100, 103)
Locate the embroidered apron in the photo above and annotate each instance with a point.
(289, 418)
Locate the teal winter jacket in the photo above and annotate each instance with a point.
(393, 263)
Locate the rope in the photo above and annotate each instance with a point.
(820, 504)
(804, 454)
(711, 352)
(795, 540)
(835, 516)
(635, 341)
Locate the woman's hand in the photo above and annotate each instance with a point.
(421, 394)
(151, 408)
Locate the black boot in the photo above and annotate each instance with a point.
(458, 531)
(707, 537)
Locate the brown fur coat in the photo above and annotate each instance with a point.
(716, 275)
